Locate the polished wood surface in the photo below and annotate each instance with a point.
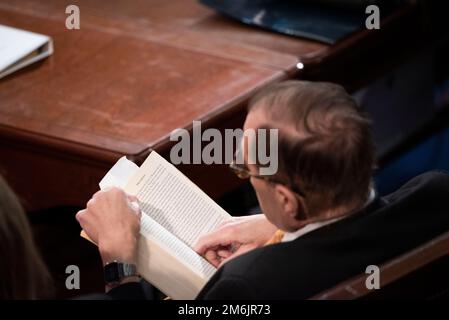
(180, 23)
(135, 71)
(114, 92)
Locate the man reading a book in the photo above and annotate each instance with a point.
(322, 221)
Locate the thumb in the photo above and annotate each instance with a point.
(133, 202)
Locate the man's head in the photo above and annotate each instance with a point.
(325, 150)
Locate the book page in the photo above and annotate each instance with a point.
(166, 271)
(119, 174)
(175, 212)
(173, 201)
(152, 230)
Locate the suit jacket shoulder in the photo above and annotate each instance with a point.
(299, 269)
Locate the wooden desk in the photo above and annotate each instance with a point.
(135, 71)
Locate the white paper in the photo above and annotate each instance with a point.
(16, 44)
(119, 174)
(175, 212)
(152, 229)
(175, 202)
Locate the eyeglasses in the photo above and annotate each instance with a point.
(243, 172)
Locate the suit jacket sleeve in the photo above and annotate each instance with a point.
(226, 288)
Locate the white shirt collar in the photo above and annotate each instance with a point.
(289, 236)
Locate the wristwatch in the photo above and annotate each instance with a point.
(115, 271)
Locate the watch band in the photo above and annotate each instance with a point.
(115, 271)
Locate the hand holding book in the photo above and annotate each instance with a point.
(112, 207)
(235, 237)
(175, 213)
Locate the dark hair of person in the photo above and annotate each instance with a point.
(23, 273)
(325, 146)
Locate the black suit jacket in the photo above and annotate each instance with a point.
(390, 226)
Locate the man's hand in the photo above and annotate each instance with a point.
(112, 220)
(234, 237)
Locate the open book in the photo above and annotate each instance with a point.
(19, 48)
(175, 213)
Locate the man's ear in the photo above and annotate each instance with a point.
(287, 199)
(293, 206)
